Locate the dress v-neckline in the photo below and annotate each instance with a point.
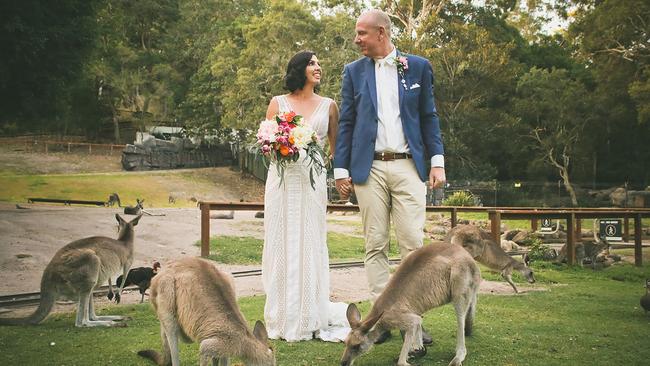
(322, 99)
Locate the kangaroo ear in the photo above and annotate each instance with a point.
(370, 322)
(120, 220)
(353, 315)
(260, 332)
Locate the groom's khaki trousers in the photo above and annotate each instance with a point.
(393, 191)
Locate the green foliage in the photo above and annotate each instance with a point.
(460, 198)
(85, 67)
(537, 250)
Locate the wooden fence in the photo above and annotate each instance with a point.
(573, 217)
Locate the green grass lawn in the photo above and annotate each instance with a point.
(93, 187)
(248, 250)
(583, 318)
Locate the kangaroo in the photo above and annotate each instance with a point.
(137, 210)
(196, 301)
(77, 269)
(114, 199)
(587, 252)
(480, 245)
(429, 277)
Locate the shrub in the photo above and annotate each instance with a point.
(460, 198)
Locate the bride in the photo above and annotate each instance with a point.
(295, 263)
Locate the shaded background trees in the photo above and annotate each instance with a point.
(518, 101)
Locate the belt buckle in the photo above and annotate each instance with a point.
(385, 157)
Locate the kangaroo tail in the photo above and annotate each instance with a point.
(44, 308)
(154, 356)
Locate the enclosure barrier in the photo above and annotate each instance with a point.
(573, 217)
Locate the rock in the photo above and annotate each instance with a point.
(259, 214)
(508, 235)
(509, 245)
(523, 237)
(223, 216)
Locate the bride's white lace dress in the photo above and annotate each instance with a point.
(295, 264)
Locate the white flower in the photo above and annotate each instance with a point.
(267, 130)
(301, 136)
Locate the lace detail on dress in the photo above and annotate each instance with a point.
(295, 264)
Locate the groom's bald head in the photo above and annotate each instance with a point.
(378, 19)
(373, 33)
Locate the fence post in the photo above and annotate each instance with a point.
(495, 226)
(533, 224)
(205, 229)
(454, 216)
(570, 239)
(638, 245)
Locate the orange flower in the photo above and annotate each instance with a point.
(288, 116)
(291, 140)
(284, 150)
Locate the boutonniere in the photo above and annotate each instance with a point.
(402, 64)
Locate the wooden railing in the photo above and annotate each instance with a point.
(573, 217)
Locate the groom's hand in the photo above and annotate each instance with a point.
(344, 186)
(437, 177)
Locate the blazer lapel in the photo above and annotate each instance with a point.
(372, 82)
(400, 86)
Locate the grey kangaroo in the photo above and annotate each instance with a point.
(77, 269)
(429, 277)
(134, 210)
(197, 302)
(480, 245)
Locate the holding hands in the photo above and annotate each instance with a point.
(344, 187)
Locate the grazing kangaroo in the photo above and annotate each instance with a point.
(480, 245)
(77, 269)
(196, 301)
(429, 277)
(114, 199)
(137, 210)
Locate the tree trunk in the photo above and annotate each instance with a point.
(116, 126)
(564, 173)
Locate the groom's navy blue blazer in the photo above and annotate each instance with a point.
(357, 130)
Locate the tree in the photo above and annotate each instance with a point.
(44, 46)
(553, 110)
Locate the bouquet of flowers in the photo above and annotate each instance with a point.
(284, 139)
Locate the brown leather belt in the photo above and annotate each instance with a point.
(388, 156)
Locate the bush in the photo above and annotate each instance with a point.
(539, 251)
(460, 198)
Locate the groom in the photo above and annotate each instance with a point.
(388, 136)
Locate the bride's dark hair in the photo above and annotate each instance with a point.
(295, 78)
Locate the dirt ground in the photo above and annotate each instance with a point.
(31, 236)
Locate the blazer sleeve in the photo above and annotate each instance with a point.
(429, 122)
(347, 117)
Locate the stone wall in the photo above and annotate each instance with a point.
(153, 154)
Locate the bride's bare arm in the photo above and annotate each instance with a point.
(273, 109)
(333, 126)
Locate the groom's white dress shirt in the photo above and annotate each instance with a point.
(390, 134)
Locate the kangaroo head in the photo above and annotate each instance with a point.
(127, 225)
(259, 331)
(139, 202)
(527, 273)
(357, 342)
(647, 283)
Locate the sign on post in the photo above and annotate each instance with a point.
(547, 225)
(612, 229)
